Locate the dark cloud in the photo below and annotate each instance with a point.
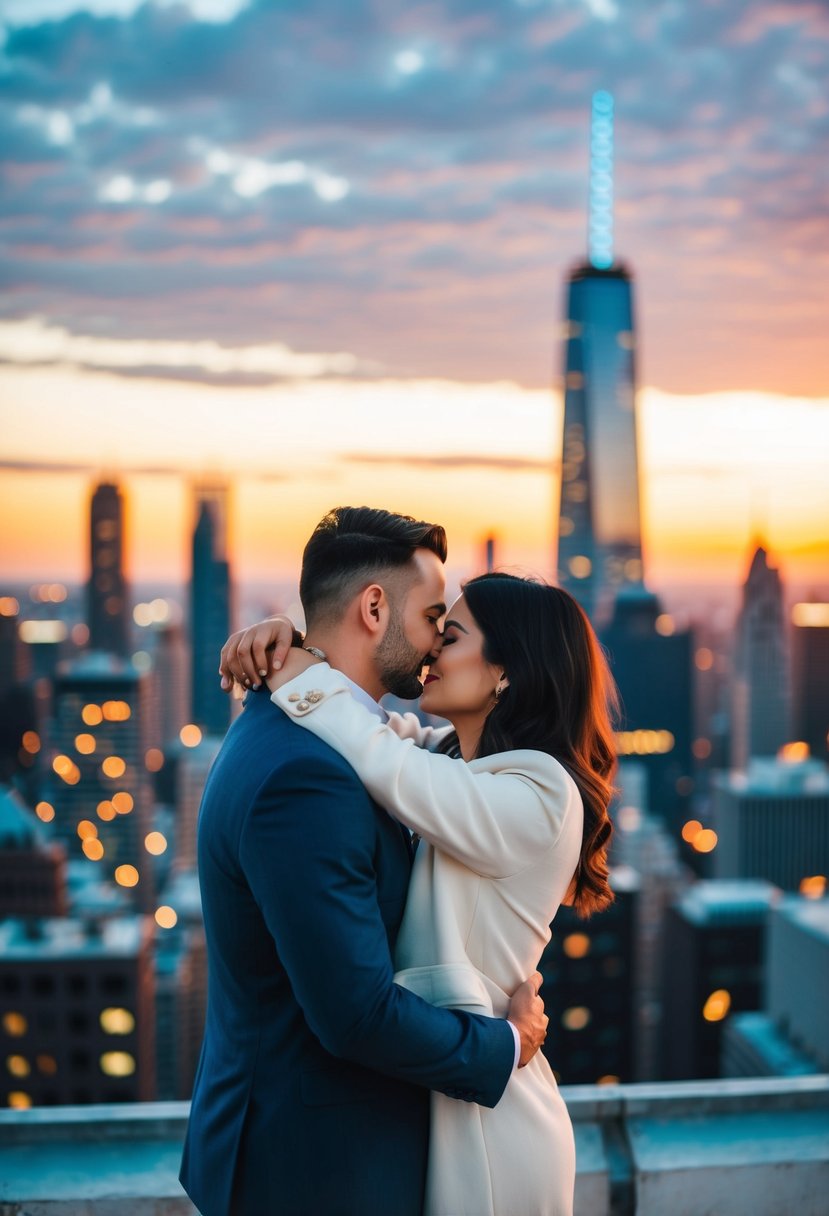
(466, 179)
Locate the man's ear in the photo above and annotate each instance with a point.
(374, 608)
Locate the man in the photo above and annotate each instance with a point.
(311, 1097)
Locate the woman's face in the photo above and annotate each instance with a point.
(460, 683)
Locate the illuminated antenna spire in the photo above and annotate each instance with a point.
(601, 182)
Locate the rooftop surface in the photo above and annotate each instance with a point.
(688, 1149)
(68, 937)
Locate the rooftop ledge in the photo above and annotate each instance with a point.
(688, 1148)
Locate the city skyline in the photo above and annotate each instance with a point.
(351, 289)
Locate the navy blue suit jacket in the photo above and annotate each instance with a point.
(311, 1097)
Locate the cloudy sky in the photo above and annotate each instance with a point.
(320, 246)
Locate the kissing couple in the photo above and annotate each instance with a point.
(376, 892)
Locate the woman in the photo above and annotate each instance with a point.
(510, 833)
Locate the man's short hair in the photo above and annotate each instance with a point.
(354, 546)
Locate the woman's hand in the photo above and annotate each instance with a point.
(245, 655)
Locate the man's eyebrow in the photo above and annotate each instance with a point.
(457, 625)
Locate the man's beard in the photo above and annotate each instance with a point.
(398, 663)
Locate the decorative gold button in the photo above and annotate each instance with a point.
(294, 696)
(313, 696)
(303, 705)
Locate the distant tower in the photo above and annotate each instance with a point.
(107, 589)
(599, 547)
(209, 610)
(760, 695)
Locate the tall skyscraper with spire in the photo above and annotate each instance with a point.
(761, 703)
(209, 609)
(107, 606)
(599, 545)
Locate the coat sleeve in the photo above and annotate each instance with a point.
(307, 849)
(494, 815)
(409, 726)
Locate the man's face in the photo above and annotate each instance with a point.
(412, 631)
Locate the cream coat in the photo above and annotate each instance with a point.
(500, 842)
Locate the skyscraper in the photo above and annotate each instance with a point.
(810, 676)
(107, 606)
(599, 546)
(209, 610)
(760, 694)
(102, 790)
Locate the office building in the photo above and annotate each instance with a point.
(191, 768)
(651, 660)
(810, 676)
(101, 792)
(760, 710)
(790, 1037)
(108, 612)
(772, 822)
(32, 870)
(209, 612)
(714, 947)
(642, 844)
(77, 1017)
(588, 991)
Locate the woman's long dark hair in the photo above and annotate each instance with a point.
(559, 700)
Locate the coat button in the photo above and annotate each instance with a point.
(314, 696)
(302, 706)
(294, 696)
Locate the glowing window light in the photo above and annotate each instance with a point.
(155, 843)
(580, 566)
(691, 830)
(794, 753)
(811, 616)
(18, 1100)
(15, 1024)
(142, 615)
(629, 819)
(701, 749)
(18, 1066)
(122, 802)
(717, 1005)
(113, 767)
(705, 841)
(92, 715)
(126, 876)
(608, 1079)
(37, 633)
(566, 527)
(813, 887)
(166, 917)
(117, 1064)
(46, 1064)
(31, 742)
(704, 659)
(61, 765)
(85, 744)
(664, 625)
(576, 1018)
(87, 830)
(576, 945)
(190, 735)
(93, 849)
(106, 811)
(116, 711)
(9, 606)
(117, 1021)
(45, 812)
(644, 742)
(154, 760)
